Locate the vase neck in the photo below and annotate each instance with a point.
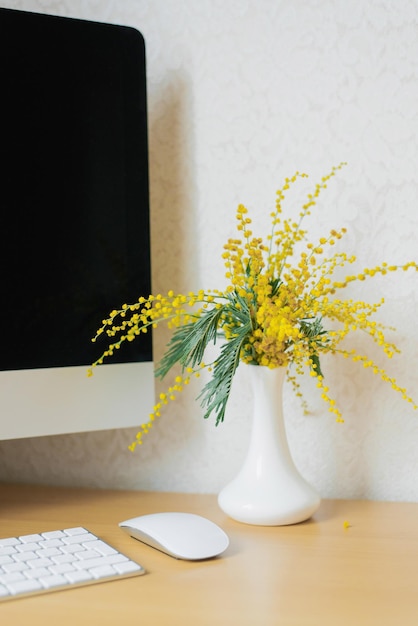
(268, 381)
(268, 420)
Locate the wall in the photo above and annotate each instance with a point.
(241, 94)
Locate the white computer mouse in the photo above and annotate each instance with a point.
(181, 535)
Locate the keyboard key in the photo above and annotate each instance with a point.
(126, 566)
(13, 577)
(6, 550)
(17, 566)
(62, 568)
(103, 571)
(79, 576)
(37, 572)
(47, 552)
(79, 530)
(30, 538)
(102, 547)
(89, 554)
(27, 547)
(10, 541)
(72, 548)
(50, 543)
(100, 561)
(55, 580)
(24, 586)
(25, 556)
(40, 562)
(79, 538)
(53, 534)
(62, 558)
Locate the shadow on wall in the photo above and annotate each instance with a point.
(173, 194)
(85, 459)
(173, 189)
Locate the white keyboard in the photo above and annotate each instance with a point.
(59, 559)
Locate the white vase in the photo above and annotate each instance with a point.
(269, 489)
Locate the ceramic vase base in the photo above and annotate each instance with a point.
(270, 509)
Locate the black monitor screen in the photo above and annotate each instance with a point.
(74, 192)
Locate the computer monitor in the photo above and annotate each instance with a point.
(75, 231)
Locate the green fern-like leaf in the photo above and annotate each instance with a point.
(316, 335)
(188, 343)
(215, 393)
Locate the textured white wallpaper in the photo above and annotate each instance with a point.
(241, 94)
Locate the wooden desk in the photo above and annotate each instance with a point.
(317, 573)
